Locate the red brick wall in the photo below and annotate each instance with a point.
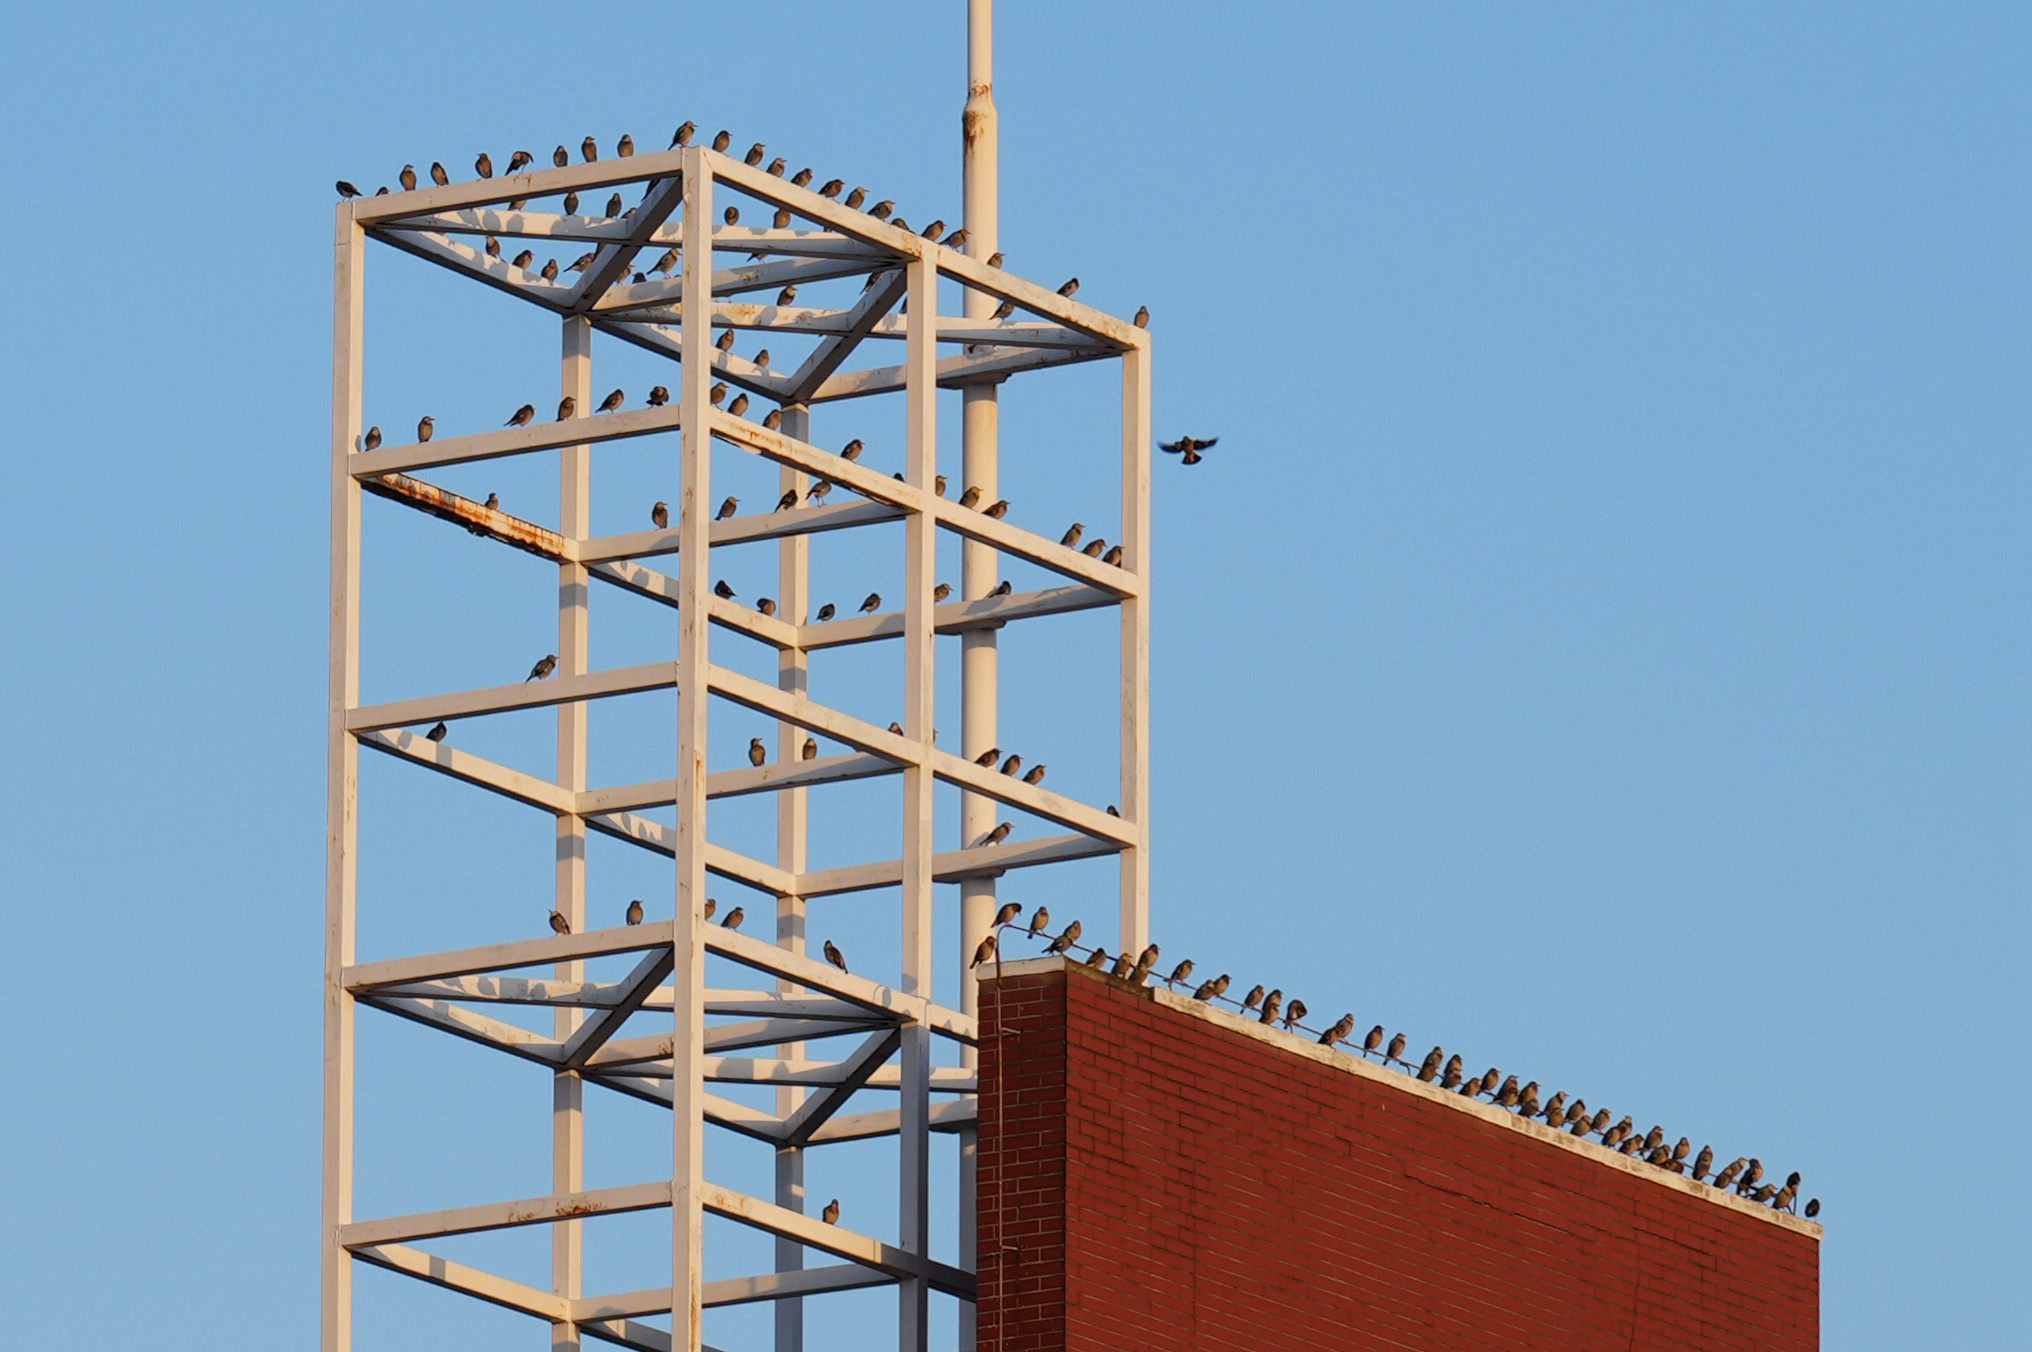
(1154, 1177)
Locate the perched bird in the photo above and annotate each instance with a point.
(347, 190)
(1555, 1111)
(683, 135)
(832, 188)
(1098, 958)
(1034, 775)
(560, 157)
(998, 511)
(810, 748)
(614, 205)
(818, 492)
(1209, 990)
(1012, 764)
(801, 179)
(571, 204)
(1728, 1173)
(1004, 310)
(1095, 549)
(493, 247)
(590, 149)
(941, 591)
(984, 951)
(762, 359)
(493, 502)
(989, 756)
(520, 159)
(732, 216)
(1342, 1026)
(727, 509)
(407, 178)
(717, 393)
(522, 260)
(734, 918)
(1187, 447)
(938, 485)
(1599, 1121)
(833, 955)
(1373, 1040)
(872, 604)
(1143, 317)
(999, 834)
(1003, 588)
(1792, 1179)
(1039, 918)
(666, 264)
(1785, 1197)
(786, 295)
(1527, 1101)
(1145, 961)
(438, 174)
(757, 754)
(852, 450)
(934, 231)
(773, 419)
(549, 270)
(1071, 538)
(1070, 289)
(825, 612)
(1271, 1003)
(971, 496)
(1008, 911)
(739, 406)
(484, 166)
(722, 141)
(1253, 998)
(1065, 940)
(766, 605)
(437, 734)
(1614, 1135)
(711, 906)
(1754, 1172)
(424, 427)
(1451, 1079)
(831, 1214)
(626, 146)
(1507, 1096)
(882, 210)
(1122, 965)
(776, 167)
(659, 515)
(1428, 1070)
(658, 396)
(1395, 1051)
(612, 402)
(558, 923)
(1180, 974)
(567, 407)
(1812, 1208)
(372, 439)
(754, 156)
(544, 666)
(856, 197)
(1113, 556)
(635, 912)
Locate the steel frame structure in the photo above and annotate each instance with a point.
(799, 1003)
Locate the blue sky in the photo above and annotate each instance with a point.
(1598, 643)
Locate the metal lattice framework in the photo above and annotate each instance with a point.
(775, 1033)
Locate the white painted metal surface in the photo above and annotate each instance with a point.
(825, 1040)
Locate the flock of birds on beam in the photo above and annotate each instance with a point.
(1272, 1008)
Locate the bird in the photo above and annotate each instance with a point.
(407, 178)
(1012, 764)
(1143, 317)
(683, 135)
(483, 166)
(625, 147)
(1003, 588)
(1555, 1110)
(1070, 289)
(766, 605)
(757, 754)
(852, 450)
(722, 141)
(1754, 1172)
(825, 612)
(734, 918)
(424, 427)
(372, 439)
(567, 407)
(1728, 1173)
(558, 923)
(1035, 775)
(571, 204)
(985, 951)
(437, 734)
(523, 260)
(1095, 549)
(711, 906)
(1145, 961)
(612, 402)
(881, 210)
(1428, 1070)
(1065, 940)
(1209, 990)
(1180, 974)
(519, 159)
(560, 157)
(1113, 557)
(1097, 958)
(544, 666)
(810, 748)
(590, 149)
(773, 419)
(934, 231)
(762, 359)
(833, 187)
(635, 912)
(817, 495)
(717, 393)
(872, 604)
(614, 205)
(1792, 1179)
(1395, 1051)
(1004, 310)
(347, 190)
(660, 514)
(776, 167)
(998, 511)
(831, 1214)
(667, 264)
(833, 956)
(856, 197)
(549, 271)
(1123, 965)
(1527, 1100)
(1188, 447)
(1071, 538)
(1812, 1208)
(1271, 1003)
(438, 174)
(658, 396)
(1785, 1197)
(801, 179)
(971, 496)
(493, 502)
(989, 756)
(1373, 1040)
(1253, 998)
(727, 509)
(754, 156)
(732, 216)
(739, 406)
(493, 247)
(786, 295)
(938, 485)
(1294, 1013)
(1008, 912)
(941, 591)
(999, 834)
(1508, 1095)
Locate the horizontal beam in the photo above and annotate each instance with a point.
(469, 1281)
(470, 769)
(833, 1239)
(751, 529)
(587, 428)
(362, 979)
(505, 1215)
(738, 783)
(949, 1115)
(506, 698)
(476, 517)
(734, 1291)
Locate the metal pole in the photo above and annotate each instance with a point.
(793, 674)
(568, 1090)
(1136, 440)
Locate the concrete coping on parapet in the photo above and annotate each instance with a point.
(1310, 1049)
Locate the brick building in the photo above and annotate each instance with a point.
(1156, 1174)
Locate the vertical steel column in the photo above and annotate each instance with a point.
(342, 783)
(694, 581)
(920, 561)
(568, 1091)
(793, 673)
(1136, 434)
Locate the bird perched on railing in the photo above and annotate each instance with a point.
(834, 956)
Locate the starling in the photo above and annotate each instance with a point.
(1113, 556)
(523, 260)
(1008, 912)
(773, 419)
(1098, 958)
(711, 906)
(754, 156)
(971, 496)
(558, 923)
(872, 604)
(667, 264)
(1373, 1040)
(635, 912)
(1812, 1208)
(762, 359)
(825, 612)
(1180, 974)
(626, 146)
(1004, 310)
(801, 179)
(852, 450)
(1253, 998)
(571, 204)
(988, 757)
(1095, 549)
(1187, 447)
(1003, 588)
(1339, 1032)
(881, 210)
(995, 259)
(1123, 965)
(590, 149)
(735, 917)
(722, 141)
(832, 188)
(1451, 1079)
(934, 231)
(776, 167)
(544, 666)
(614, 205)
(1754, 1172)
(1071, 538)
(566, 408)
(347, 190)
(424, 427)
(1143, 317)
(998, 835)
(1034, 775)
(438, 174)
(831, 1214)
(1209, 989)
(832, 955)
(941, 591)
(372, 439)
(1271, 1003)
(1012, 764)
(612, 402)
(549, 272)
(519, 160)
(725, 342)
(659, 395)
(683, 135)
(1395, 1051)
(493, 247)
(1728, 1173)
(957, 239)
(810, 748)
(1428, 1070)
(732, 215)
(984, 951)
(1599, 1121)
(739, 406)
(493, 501)
(856, 197)
(1786, 1196)
(437, 734)
(660, 515)
(722, 590)
(579, 264)
(1507, 1096)
(1039, 918)
(766, 606)
(1792, 1179)
(786, 295)
(728, 508)
(717, 393)
(1065, 940)
(1070, 289)
(1527, 1101)
(999, 510)
(1555, 1111)
(938, 485)
(483, 166)
(756, 753)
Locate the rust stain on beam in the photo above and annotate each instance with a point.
(476, 517)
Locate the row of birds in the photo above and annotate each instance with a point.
(1745, 1175)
